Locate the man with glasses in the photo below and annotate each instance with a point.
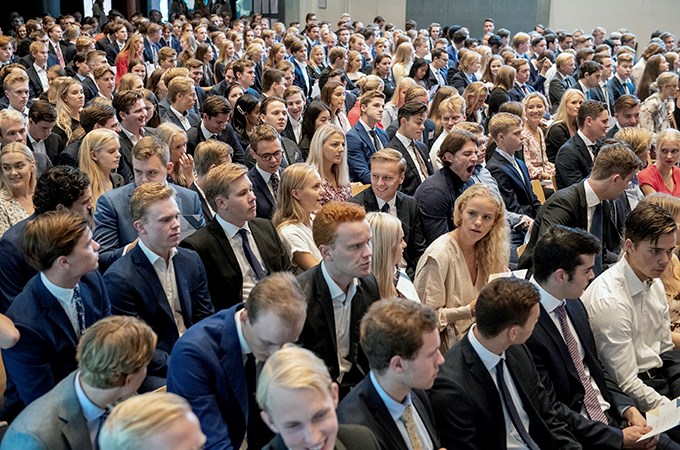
(266, 149)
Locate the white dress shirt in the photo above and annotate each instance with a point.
(630, 320)
(408, 144)
(249, 277)
(65, 298)
(588, 143)
(342, 312)
(182, 118)
(38, 147)
(42, 74)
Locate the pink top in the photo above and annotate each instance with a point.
(652, 178)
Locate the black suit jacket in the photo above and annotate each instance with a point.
(350, 437)
(559, 376)
(411, 179)
(53, 147)
(225, 280)
(569, 207)
(460, 81)
(319, 335)
(266, 203)
(90, 88)
(34, 81)
(407, 210)
(228, 136)
(573, 162)
(204, 204)
(517, 192)
(468, 408)
(363, 406)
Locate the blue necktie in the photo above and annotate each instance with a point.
(596, 230)
(80, 309)
(260, 272)
(512, 411)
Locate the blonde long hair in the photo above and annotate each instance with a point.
(561, 114)
(492, 252)
(386, 230)
(64, 113)
(288, 208)
(92, 143)
(324, 133)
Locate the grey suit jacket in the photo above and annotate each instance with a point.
(52, 422)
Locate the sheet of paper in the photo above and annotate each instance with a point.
(514, 274)
(663, 418)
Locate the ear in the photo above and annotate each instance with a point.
(93, 155)
(62, 261)
(261, 117)
(221, 202)
(326, 252)
(397, 364)
(628, 245)
(139, 226)
(296, 194)
(335, 393)
(267, 420)
(170, 166)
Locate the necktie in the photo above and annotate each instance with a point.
(596, 230)
(374, 138)
(410, 423)
(260, 272)
(60, 57)
(525, 90)
(590, 396)
(512, 411)
(274, 180)
(385, 208)
(419, 159)
(102, 419)
(80, 309)
(473, 77)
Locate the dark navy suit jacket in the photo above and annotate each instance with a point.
(266, 203)
(616, 89)
(135, 290)
(573, 162)
(15, 271)
(411, 178)
(299, 80)
(46, 352)
(360, 148)
(517, 192)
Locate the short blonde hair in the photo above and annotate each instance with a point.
(390, 155)
(292, 367)
(666, 201)
(501, 122)
(667, 135)
(219, 179)
(140, 417)
(179, 85)
(454, 103)
(211, 152)
(146, 195)
(113, 348)
(150, 146)
(639, 139)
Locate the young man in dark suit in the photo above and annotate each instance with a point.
(365, 138)
(573, 207)
(17, 93)
(521, 88)
(339, 291)
(620, 83)
(208, 155)
(214, 364)
(215, 124)
(392, 395)
(563, 262)
(626, 113)
(273, 111)
(295, 387)
(65, 297)
(163, 285)
(488, 393)
(39, 136)
(574, 160)
(112, 358)
(387, 174)
(237, 248)
(151, 43)
(182, 98)
(266, 150)
(131, 113)
(411, 119)
(37, 70)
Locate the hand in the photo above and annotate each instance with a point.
(634, 417)
(632, 434)
(186, 167)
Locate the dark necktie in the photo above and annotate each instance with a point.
(102, 419)
(512, 411)
(419, 159)
(260, 272)
(525, 90)
(596, 230)
(374, 138)
(80, 309)
(385, 208)
(590, 400)
(274, 180)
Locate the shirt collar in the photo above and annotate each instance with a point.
(395, 408)
(38, 68)
(635, 284)
(585, 139)
(206, 133)
(336, 291)
(404, 140)
(549, 302)
(263, 173)
(152, 256)
(505, 155)
(229, 228)
(366, 127)
(592, 199)
(90, 410)
(64, 295)
(489, 359)
(245, 349)
(177, 113)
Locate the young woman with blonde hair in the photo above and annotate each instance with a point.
(99, 157)
(565, 123)
(182, 172)
(17, 184)
(401, 64)
(328, 154)
(397, 101)
(69, 101)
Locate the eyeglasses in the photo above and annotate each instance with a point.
(270, 156)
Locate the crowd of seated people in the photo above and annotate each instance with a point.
(303, 233)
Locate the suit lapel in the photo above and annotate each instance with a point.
(233, 366)
(323, 298)
(551, 330)
(363, 134)
(218, 233)
(479, 372)
(383, 416)
(74, 426)
(148, 274)
(57, 314)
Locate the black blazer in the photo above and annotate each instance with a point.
(573, 162)
(557, 87)
(468, 408)
(34, 81)
(204, 204)
(318, 334)
(266, 203)
(559, 376)
(517, 192)
(411, 179)
(191, 116)
(497, 97)
(407, 210)
(90, 88)
(363, 406)
(225, 280)
(228, 136)
(558, 134)
(460, 81)
(53, 146)
(350, 437)
(569, 207)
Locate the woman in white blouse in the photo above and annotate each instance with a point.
(16, 184)
(297, 200)
(657, 109)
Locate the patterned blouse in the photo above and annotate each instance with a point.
(11, 212)
(535, 157)
(330, 193)
(654, 114)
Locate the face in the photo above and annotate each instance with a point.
(629, 117)
(599, 125)
(276, 116)
(478, 217)
(386, 177)
(6, 52)
(568, 66)
(670, 90)
(374, 110)
(333, 149)
(75, 98)
(201, 34)
(136, 118)
(247, 77)
(606, 68)
(450, 118)
(523, 74)
(413, 127)
(83, 205)
(290, 76)
(160, 226)
(539, 48)
(150, 170)
(649, 259)
(350, 256)
(312, 423)
(139, 70)
(573, 105)
(84, 257)
(107, 156)
(624, 69)
(322, 119)
(178, 147)
(215, 124)
(295, 105)
(17, 170)
(668, 154)
(185, 100)
(234, 95)
(511, 140)
(121, 34)
(495, 67)
(489, 27)
(18, 96)
(229, 49)
(384, 67)
(240, 206)
(577, 282)
(463, 162)
(196, 74)
(338, 97)
(40, 57)
(534, 110)
(309, 196)
(421, 371)
(12, 131)
(253, 117)
(268, 155)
